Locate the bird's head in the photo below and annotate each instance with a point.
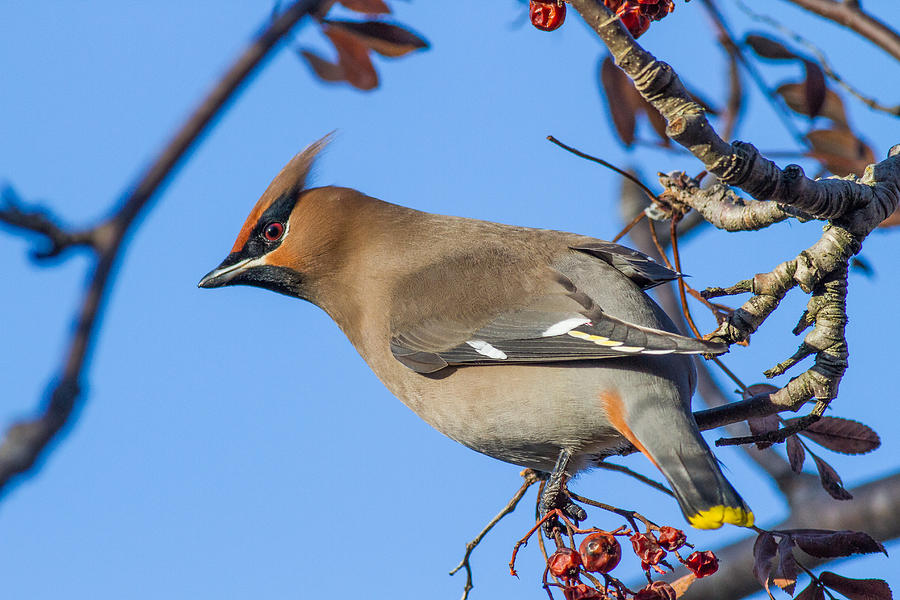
(280, 242)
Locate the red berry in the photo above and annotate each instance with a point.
(702, 564)
(582, 592)
(564, 563)
(658, 590)
(647, 549)
(671, 538)
(633, 19)
(547, 15)
(613, 4)
(600, 552)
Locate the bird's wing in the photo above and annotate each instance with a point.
(558, 324)
(636, 266)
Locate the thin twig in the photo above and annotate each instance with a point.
(606, 164)
(642, 478)
(755, 75)
(24, 441)
(531, 478)
(851, 16)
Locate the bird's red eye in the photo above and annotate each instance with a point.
(273, 231)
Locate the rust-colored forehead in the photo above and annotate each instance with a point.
(261, 205)
(289, 182)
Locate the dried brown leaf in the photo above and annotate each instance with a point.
(796, 453)
(620, 99)
(824, 543)
(764, 550)
(811, 592)
(384, 38)
(682, 584)
(766, 47)
(758, 389)
(325, 70)
(794, 95)
(785, 575)
(893, 219)
(369, 7)
(831, 481)
(762, 425)
(845, 436)
(840, 151)
(353, 57)
(814, 87)
(857, 589)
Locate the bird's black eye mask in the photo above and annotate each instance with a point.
(270, 229)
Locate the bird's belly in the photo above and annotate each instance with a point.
(520, 414)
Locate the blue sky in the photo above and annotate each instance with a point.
(232, 443)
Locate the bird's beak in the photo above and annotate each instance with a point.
(224, 273)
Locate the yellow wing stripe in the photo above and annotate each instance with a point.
(716, 516)
(604, 341)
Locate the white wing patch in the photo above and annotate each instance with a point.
(485, 349)
(564, 326)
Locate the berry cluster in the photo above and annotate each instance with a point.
(600, 552)
(636, 15)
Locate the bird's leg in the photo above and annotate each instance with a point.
(557, 496)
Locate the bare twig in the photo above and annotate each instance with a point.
(26, 440)
(531, 477)
(642, 478)
(850, 15)
(738, 54)
(823, 61)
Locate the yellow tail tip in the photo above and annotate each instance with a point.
(714, 517)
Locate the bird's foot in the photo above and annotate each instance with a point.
(556, 497)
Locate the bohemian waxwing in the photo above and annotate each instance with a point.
(536, 347)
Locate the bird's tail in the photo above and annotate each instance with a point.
(671, 440)
(706, 498)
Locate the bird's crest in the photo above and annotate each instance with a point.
(289, 182)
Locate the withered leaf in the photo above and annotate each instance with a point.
(785, 575)
(682, 584)
(325, 70)
(794, 95)
(824, 543)
(353, 57)
(840, 151)
(370, 7)
(758, 389)
(766, 47)
(831, 481)
(814, 87)
(796, 453)
(857, 589)
(761, 425)
(811, 592)
(845, 436)
(620, 99)
(893, 219)
(384, 38)
(859, 264)
(764, 550)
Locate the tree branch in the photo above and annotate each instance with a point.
(25, 441)
(851, 16)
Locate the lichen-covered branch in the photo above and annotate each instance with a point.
(739, 164)
(722, 207)
(26, 440)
